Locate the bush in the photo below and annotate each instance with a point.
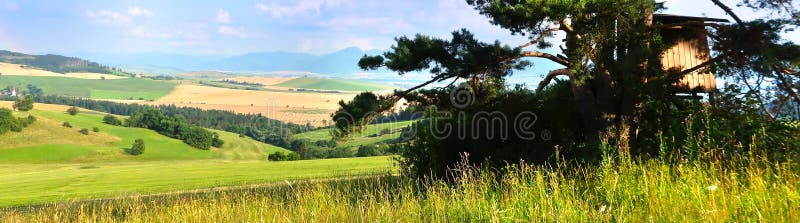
(111, 120)
(370, 150)
(198, 137)
(66, 124)
(216, 141)
(341, 152)
(72, 110)
(280, 156)
(84, 131)
(9, 123)
(137, 148)
(95, 129)
(23, 103)
(386, 131)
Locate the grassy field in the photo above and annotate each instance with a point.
(46, 141)
(648, 191)
(127, 88)
(370, 134)
(27, 183)
(333, 84)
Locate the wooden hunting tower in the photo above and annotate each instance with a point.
(689, 48)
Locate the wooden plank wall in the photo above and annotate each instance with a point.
(688, 53)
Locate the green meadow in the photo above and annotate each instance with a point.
(369, 135)
(333, 84)
(126, 88)
(48, 141)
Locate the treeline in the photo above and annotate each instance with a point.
(10, 123)
(56, 63)
(173, 127)
(255, 126)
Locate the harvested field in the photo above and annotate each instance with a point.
(19, 70)
(266, 81)
(285, 106)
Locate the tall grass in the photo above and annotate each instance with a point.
(616, 190)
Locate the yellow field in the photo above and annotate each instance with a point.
(19, 70)
(285, 106)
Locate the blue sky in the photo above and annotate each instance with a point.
(238, 27)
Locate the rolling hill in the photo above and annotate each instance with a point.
(47, 141)
(127, 88)
(332, 84)
(57, 63)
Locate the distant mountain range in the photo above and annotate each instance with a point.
(342, 62)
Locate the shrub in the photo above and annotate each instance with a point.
(385, 131)
(280, 156)
(198, 137)
(370, 150)
(9, 123)
(95, 129)
(72, 110)
(23, 103)
(137, 148)
(216, 141)
(111, 120)
(84, 131)
(66, 124)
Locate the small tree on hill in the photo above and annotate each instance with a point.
(84, 131)
(72, 110)
(66, 124)
(137, 148)
(111, 120)
(23, 103)
(95, 129)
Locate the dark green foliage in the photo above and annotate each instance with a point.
(72, 110)
(95, 129)
(35, 91)
(23, 103)
(111, 120)
(84, 131)
(280, 156)
(300, 147)
(198, 137)
(137, 148)
(371, 150)
(175, 127)
(10, 123)
(66, 124)
(386, 131)
(216, 141)
(340, 152)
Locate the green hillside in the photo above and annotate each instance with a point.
(46, 141)
(127, 88)
(57, 63)
(370, 134)
(333, 84)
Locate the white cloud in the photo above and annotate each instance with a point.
(232, 31)
(137, 11)
(301, 8)
(328, 44)
(108, 17)
(223, 16)
(143, 32)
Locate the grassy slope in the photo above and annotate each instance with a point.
(333, 84)
(22, 184)
(362, 138)
(48, 141)
(101, 89)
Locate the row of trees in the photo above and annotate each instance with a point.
(255, 126)
(174, 127)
